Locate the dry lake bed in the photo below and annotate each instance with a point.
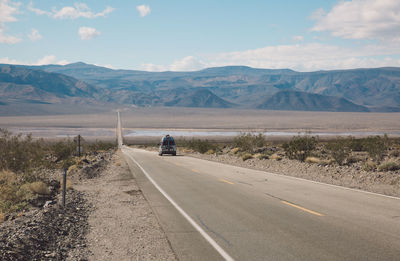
(139, 123)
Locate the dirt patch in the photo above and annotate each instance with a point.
(122, 225)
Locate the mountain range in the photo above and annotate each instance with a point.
(376, 89)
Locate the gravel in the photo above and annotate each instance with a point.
(49, 233)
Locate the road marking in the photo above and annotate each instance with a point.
(301, 208)
(177, 164)
(226, 181)
(212, 242)
(195, 170)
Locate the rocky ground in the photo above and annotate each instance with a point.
(106, 217)
(122, 225)
(354, 176)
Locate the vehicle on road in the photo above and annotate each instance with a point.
(167, 146)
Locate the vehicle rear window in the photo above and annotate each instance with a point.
(168, 142)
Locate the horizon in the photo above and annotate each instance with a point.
(202, 69)
(185, 36)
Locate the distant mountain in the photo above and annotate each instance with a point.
(302, 101)
(201, 98)
(24, 85)
(377, 89)
(220, 87)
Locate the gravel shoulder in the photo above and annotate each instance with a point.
(106, 217)
(122, 225)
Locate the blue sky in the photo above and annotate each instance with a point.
(190, 35)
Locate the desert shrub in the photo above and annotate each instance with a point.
(20, 153)
(356, 144)
(249, 142)
(395, 153)
(247, 156)
(39, 187)
(262, 156)
(353, 159)
(198, 145)
(234, 150)
(209, 152)
(63, 149)
(100, 145)
(314, 160)
(375, 146)
(389, 166)
(339, 150)
(370, 165)
(275, 157)
(300, 147)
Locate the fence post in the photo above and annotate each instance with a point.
(64, 186)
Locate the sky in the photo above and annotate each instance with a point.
(160, 35)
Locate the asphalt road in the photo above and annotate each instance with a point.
(255, 215)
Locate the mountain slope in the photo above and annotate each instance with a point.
(376, 88)
(302, 101)
(201, 98)
(18, 84)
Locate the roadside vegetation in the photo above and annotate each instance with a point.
(373, 153)
(24, 163)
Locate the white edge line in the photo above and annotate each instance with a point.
(219, 249)
(303, 179)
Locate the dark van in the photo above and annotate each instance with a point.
(167, 146)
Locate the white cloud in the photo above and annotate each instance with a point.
(8, 10)
(361, 19)
(143, 10)
(87, 33)
(48, 59)
(35, 35)
(300, 57)
(298, 38)
(189, 63)
(71, 12)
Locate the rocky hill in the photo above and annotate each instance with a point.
(222, 87)
(294, 101)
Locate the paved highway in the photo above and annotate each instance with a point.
(213, 211)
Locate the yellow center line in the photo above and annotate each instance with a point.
(301, 208)
(195, 170)
(223, 180)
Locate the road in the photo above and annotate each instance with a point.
(213, 211)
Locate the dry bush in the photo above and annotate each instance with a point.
(201, 146)
(68, 184)
(339, 150)
(234, 150)
(300, 147)
(249, 142)
(8, 177)
(2, 217)
(247, 156)
(39, 187)
(275, 157)
(209, 152)
(370, 165)
(262, 156)
(389, 166)
(313, 160)
(376, 147)
(395, 153)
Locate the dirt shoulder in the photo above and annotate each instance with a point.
(122, 225)
(106, 217)
(387, 183)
